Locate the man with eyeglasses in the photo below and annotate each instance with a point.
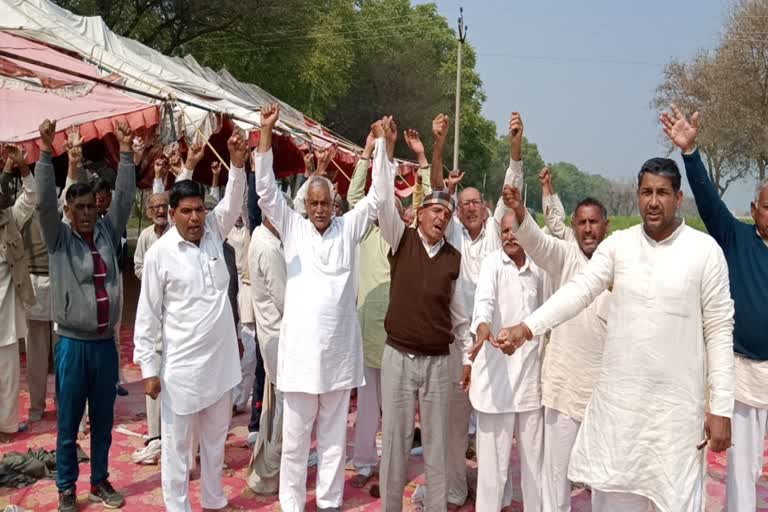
(157, 212)
(475, 234)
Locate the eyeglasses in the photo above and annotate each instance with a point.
(471, 202)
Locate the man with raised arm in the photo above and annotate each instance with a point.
(320, 357)
(475, 234)
(185, 302)
(85, 290)
(668, 353)
(573, 356)
(424, 284)
(372, 303)
(746, 251)
(16, 292)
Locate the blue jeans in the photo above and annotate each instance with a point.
(86, 371)
(258, 392)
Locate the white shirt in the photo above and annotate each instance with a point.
(147, 237)
(266, 265)
(240, 239)
(669, 340)
(12, 316)
(320, 342)
(474, 251)
(573, 357)
(184, 300)
(392, 228)
(505, 295)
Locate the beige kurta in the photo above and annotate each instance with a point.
(573, 356)
(669, 340)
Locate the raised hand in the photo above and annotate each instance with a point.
(377, 129)
(215, 168)
(124, 136)
(390, 133)
(453, 180)
(16, 154)
(545, 178)
(681, 132)
(413, 140)
(324, 158)
(269, 116)
(160, 168)
(513, 200)
(47, 132)
(440, 125)
(194, 155)
(516, 136)
(176, 163)
(238, 147)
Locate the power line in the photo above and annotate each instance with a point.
(589, 60)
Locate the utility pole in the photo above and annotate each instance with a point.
(462, 35)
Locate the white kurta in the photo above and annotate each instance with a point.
(474, 251)
(320, 342)
(266, 265)
(505, 295)
(669, 340)
(573, 356)
(147, 237)
(184, 300)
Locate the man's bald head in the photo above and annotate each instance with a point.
(319, 202)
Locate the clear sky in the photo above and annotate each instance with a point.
(583, 73)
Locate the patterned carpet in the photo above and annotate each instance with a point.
(141, 484)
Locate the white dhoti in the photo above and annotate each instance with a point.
(749, 426)
(620, 501)
(300, 410)
(560, 432)
(247, 368)
(9, 388)
(211, 425)
(494, 447)
(365, 456)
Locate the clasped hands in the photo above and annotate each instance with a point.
(508, 340)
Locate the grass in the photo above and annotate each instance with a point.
(619, 222)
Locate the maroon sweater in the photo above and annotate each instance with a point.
(419, 318)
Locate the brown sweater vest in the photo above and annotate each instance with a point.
(419, 318)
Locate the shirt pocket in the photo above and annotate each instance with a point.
(217, 268)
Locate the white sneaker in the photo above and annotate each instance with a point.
(150, 454)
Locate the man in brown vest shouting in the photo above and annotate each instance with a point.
(426, 314)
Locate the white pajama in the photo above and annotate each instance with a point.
(9, 388)
(153, 405)
(619, 502)
(365, 455)
(560, 432)
(247, 368)
(211, 426)
(749, 426)
(300, 411)
(494, 446)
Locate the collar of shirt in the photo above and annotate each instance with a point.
(506, 260)
(432, 250)
(176, 237)
(765, 240)
(671, 238)
(467, 236)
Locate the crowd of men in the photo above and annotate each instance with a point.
(608, 361)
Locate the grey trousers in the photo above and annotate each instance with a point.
(404, 380)
(40, 342)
